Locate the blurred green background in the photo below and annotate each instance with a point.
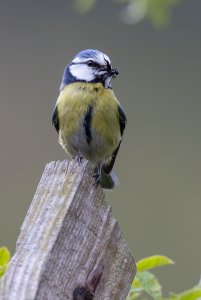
(158, 201)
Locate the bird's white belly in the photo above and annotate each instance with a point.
(95, 151)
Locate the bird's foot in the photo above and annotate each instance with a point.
(97, 179)
(78, 158)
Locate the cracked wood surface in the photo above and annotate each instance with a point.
(70, 246)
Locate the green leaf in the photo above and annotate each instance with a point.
(191, 294)
(83, 6)
(150, 284)
(4, 260)
(136, 283)
(153, 262)
(133, 296)
(159, 11)
(135, 290)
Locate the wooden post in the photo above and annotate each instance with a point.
(70, 246)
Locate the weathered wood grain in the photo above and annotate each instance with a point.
(70, 246)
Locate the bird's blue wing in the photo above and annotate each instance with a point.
(55, 119)
(122, 122)
(122, 119)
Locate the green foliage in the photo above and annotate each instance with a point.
(153, 262)
(150, 284)
(4, 260)
(158, 12)
(192, 294)
(146, 283)
(82, 6)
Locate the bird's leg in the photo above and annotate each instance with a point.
(97, 173)
(78, 158)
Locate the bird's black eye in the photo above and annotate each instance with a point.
(92, 64)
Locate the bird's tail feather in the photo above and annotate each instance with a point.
(108, 181)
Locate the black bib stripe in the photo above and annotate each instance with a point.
(87, 124)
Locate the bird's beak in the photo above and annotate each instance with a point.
(114, 72)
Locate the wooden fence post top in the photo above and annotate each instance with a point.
(70, 246)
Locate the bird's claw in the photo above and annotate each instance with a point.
(97, 177)
(78, 158)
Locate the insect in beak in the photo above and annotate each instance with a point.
(114, 72)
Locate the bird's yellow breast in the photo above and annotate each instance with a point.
(73, 103)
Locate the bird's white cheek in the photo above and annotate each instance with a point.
(82, 72)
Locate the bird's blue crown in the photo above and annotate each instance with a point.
(89, 53)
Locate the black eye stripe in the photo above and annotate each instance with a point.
(92, 64)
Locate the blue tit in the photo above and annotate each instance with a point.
(88, 117)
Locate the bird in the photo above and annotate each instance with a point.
(88, 117)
